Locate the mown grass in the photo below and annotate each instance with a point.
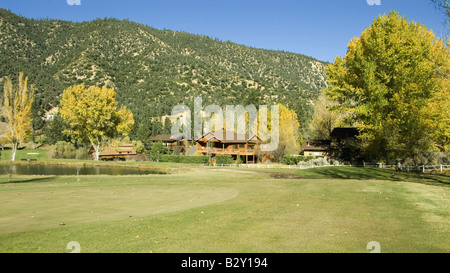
(439, 179)
(24, 153)
(224, 210)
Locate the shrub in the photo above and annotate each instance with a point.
(62, 150)
(138, 146)
(308, 158)
(82, 153)
(239, 160)
(170, 158)
(431, 158)
(202, 159)
(320, 161)
(295, 160)
(224, 159)
(157, 151)
(291, 160)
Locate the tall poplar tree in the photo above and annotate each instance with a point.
(17, 103)
(392, 84)
(290, 137)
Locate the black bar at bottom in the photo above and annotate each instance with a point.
(223, 262)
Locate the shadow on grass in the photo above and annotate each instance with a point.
(358, 173)
(19, 180)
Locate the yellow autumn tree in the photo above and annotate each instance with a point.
(437, 109)
(17, 103)
(324, 120)
(289, 138)
(93, 116)
(391, 85)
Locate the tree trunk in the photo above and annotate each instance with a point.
(14, 151)
(96, 151)
(13, 157)
(10, 172)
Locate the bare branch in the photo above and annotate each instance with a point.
(443, 6)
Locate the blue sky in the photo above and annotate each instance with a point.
(318, 28)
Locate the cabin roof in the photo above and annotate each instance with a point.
(316, 145)
(125, 149)
(228, 137)
(168, 138)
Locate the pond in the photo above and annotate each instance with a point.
(59, 170)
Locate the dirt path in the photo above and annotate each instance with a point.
(236, 171)
(276, 175)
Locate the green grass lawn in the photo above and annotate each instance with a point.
(205, 209)
(25, 153)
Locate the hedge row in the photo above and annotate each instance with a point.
(201, 159)
(294, 160)
(224, 159)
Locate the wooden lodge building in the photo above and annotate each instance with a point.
(247, 147)
(230, 143)
(217, 142)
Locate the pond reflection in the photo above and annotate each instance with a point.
(59, 170)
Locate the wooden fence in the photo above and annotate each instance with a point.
(425, 168)
(420, 168)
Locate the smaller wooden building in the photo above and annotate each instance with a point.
(316, 148)
(172, 142)
(123, 152)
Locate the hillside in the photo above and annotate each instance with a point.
(152, 70)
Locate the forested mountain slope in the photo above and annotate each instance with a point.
(152, 70)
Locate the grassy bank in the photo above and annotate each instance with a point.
(223, 210)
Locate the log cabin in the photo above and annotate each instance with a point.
(245, 146)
